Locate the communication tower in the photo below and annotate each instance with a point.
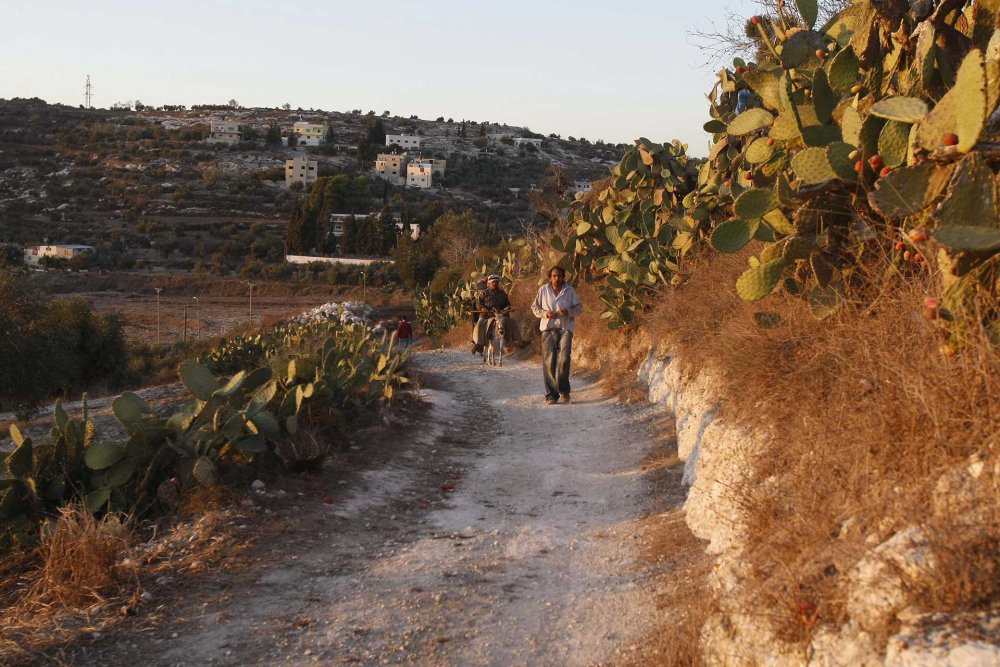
(88, 94)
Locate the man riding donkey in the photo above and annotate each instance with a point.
(489, 302)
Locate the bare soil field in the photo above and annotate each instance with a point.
(214, 306)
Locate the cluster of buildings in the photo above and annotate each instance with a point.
(408, 170)
(229, 132)
(337, 224)
(33, 256)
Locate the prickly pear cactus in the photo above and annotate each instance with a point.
(845, 136)
(631, 236)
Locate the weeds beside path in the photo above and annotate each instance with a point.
(534, 557)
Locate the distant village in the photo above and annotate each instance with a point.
(408, 160)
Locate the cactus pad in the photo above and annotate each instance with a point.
(821, 135)
(850, 126)
(799, 48)
(759, 152)
(749, 121)
(129, 408)
(101, 455)
(971, 112)
(808, 10)
(785, 128)
(198, 379)
(843, 72)
(799, 247)
(893, 141)
(714, 126)
(203, 470)
(733, 235)
(812, 167)
(778, 221)
(902, 192)
(971, 198)
(903, 109)
(967, 238)
(765, 84)
(993, 71)
(939, 122)
(759, 281)
(754, 204)
(838, 154)
(824, 98)
(871, 128)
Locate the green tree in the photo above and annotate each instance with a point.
(54, 347)
(372, 141)
(302, 232)
(273, 136)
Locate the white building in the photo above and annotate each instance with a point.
(224, 132)
(33, 256)
(414, 230)
(301, 170)
(310, 134)
(392, 167)
(404, 141)
(337, 222)
(521, 141)
(582, 186)
(419, 175)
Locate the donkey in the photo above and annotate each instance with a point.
(494, 341)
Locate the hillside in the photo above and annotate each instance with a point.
(144, 187)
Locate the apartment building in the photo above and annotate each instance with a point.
(404, 141)
(310, 134)
(301, 170)
(524, 141)
(437, 164)
(419, 175)
(224, 132)
(392, 167)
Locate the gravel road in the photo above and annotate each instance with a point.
(532, 558)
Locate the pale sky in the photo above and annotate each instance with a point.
(591, 68)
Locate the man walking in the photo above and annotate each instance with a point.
(557, 306)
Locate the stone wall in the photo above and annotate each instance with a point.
(718, 460)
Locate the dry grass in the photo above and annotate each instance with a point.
(82, 559)
(681, 594)
(866, 414)
(86, 577)
(83, 563)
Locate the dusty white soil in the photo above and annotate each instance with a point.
(532, 558)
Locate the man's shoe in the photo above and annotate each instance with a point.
(565, 398)
(551, 401)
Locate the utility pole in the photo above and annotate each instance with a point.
(250, 322)
(364, 286)
(158, 290)
(87, 95)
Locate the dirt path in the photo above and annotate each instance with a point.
(533, 558)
